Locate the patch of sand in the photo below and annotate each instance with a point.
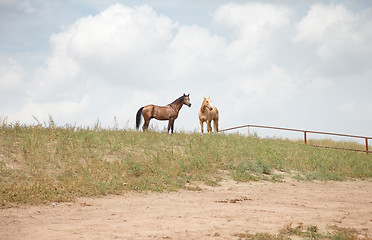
(212, 213)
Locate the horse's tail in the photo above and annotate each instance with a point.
(138, 117)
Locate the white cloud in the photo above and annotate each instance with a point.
(334, 31)
(254, 20)
(274, 83)
(336, 43)
(321, 84)
(193, 51)
(13, 86)
(109, 47)
(253, 25)
(119, 31)
(347, 108)
(62, 111)
(27, 7)
(11, 75)
(138, 50)
(7, 2)
(324, 21)
(256, 61)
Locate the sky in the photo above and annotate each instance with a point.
(294, 64)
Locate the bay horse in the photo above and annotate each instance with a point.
(168, 112)
(207, 113)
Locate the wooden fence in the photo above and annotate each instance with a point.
(306, 132)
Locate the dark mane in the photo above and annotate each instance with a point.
(180, 99)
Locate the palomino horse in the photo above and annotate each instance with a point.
(169, 112)
(207, 113)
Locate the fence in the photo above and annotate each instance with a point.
(305, 132)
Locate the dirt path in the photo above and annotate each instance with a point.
(213, 213)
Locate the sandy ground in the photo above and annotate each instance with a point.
(213, 213)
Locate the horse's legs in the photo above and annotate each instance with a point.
(209, 127)
(146, 124)
(215, 122)
(201, 125)
(171, 125)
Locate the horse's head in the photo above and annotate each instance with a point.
(186, 100)
(207, 103)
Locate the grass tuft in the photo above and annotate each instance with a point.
(306, 232)
(47, 163)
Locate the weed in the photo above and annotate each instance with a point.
(44, 163)
(305, 232)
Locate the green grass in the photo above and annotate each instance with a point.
(351, 145)
(306, 232)
(40, 164)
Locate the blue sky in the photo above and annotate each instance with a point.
(297, 64)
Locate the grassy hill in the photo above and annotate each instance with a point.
(48, 163)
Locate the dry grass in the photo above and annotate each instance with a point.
(307, 232)
(40, 164)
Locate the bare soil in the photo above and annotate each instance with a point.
(212, 213)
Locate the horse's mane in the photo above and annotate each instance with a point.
(180, 99)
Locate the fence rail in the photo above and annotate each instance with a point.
(305, 132)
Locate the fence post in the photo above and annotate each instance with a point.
(367, 145)
(248, 130)
(305, 137)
